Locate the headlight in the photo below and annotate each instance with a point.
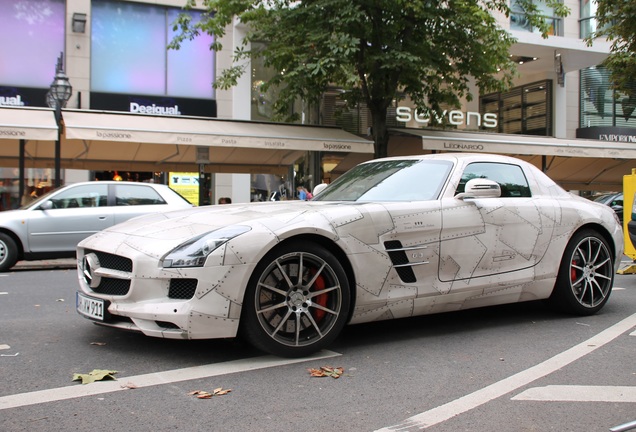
(194, 252)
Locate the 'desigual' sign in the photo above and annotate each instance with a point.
(453, 117)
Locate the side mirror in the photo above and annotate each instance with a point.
(480, 188)
(46, 205)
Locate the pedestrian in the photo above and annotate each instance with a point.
(302, 194)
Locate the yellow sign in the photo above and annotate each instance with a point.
(187, 184)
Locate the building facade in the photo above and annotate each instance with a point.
(137, 107)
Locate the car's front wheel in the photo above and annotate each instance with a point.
(297, 301)
(586, 275)
(8, 252)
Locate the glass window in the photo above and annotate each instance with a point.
(511, 178)
(518, 20)
(522, 110)
(129, 53)
(600, 104)
(136, 195)
(38, 25)
(93, 195)
(588, 18)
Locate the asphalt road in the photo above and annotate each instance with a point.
(510, 368)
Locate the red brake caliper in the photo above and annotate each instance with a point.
(319, 285)
(573, 271)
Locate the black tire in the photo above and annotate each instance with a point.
(586, 275)
(8, 252)
(291, 316)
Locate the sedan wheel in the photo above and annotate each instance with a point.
(297, 301)
(8, 252)
(586, 275)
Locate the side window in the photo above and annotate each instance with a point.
(93, 195)
(511, 178)
(136, 195)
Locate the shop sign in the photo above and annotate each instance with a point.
(453, 117)
(22, 96)
(154, 105)
(608, 133)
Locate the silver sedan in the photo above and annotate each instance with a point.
(53, 225)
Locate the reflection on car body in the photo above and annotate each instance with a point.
(53, 225)
(391, 238)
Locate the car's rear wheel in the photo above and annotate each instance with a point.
(586, 275)
(297, 301)
(8, 252)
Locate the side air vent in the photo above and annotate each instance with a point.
(400, 261)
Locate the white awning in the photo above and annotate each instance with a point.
(98, 140)
(139, 128)
(520, 144)
(575, 164)
(18, 123)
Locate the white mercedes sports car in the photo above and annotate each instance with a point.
(391, 238)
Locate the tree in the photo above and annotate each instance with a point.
(377, 51)
(615, 21)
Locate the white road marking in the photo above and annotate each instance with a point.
(579, 393)
(458, 406)
(4, 346)
(3, 293)
(152, 379)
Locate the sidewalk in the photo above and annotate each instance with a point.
(69, 263)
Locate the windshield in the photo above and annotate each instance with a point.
(389, 180)
(37, 200)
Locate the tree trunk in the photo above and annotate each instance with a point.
(380, 132)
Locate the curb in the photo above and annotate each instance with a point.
(43, 264)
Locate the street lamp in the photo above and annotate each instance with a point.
(59, 93)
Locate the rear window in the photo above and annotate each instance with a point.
(130, 195)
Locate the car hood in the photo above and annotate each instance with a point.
(159, 233)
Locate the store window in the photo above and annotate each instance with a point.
(129, 53)
(32, 32)
(603, 106)
(522, 110)
(519, 21)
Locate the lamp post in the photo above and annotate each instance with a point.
(59, 93)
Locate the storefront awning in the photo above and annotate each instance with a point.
(136, 128)
(575, 164)
(18, 123)
(521, 144)
(97, 140)
(138, 142)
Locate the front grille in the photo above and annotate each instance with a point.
(182, 288)
(114, 262)
(111, 286)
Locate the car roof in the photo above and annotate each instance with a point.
(454, 157)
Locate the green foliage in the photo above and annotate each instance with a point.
(429, 51)
(616, 21)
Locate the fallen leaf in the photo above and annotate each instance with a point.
(129, 385)
(98, 343)
(201, 394)
(326, 371)
(95, 375)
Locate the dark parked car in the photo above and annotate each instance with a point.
(51, 226)
(613, 200)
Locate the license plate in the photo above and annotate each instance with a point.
(90, 307)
